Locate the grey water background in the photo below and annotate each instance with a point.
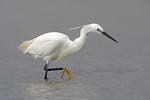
(103, 70)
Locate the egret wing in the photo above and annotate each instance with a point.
(45, 47)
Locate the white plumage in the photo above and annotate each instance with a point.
(48, 45)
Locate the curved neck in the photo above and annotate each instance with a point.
(80, 41)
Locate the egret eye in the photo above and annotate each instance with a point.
(98, 30)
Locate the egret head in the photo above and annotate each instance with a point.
(98, 29)
(94, 28)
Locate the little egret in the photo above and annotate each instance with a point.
(56, 46)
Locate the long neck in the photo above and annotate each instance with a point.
(80, 41)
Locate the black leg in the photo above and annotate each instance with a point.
(53, 69)
(45, 76)
(45, 67)
(46, 70)
(50, 69)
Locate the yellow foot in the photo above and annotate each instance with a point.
(70, 76)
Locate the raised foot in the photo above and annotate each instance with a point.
(70, 76)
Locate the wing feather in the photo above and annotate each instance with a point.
(46, 44)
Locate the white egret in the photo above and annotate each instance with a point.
(56, 46)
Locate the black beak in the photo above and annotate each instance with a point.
(104, 33)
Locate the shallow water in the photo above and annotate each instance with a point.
(103, 83)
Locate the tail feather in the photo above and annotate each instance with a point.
(23, 46)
